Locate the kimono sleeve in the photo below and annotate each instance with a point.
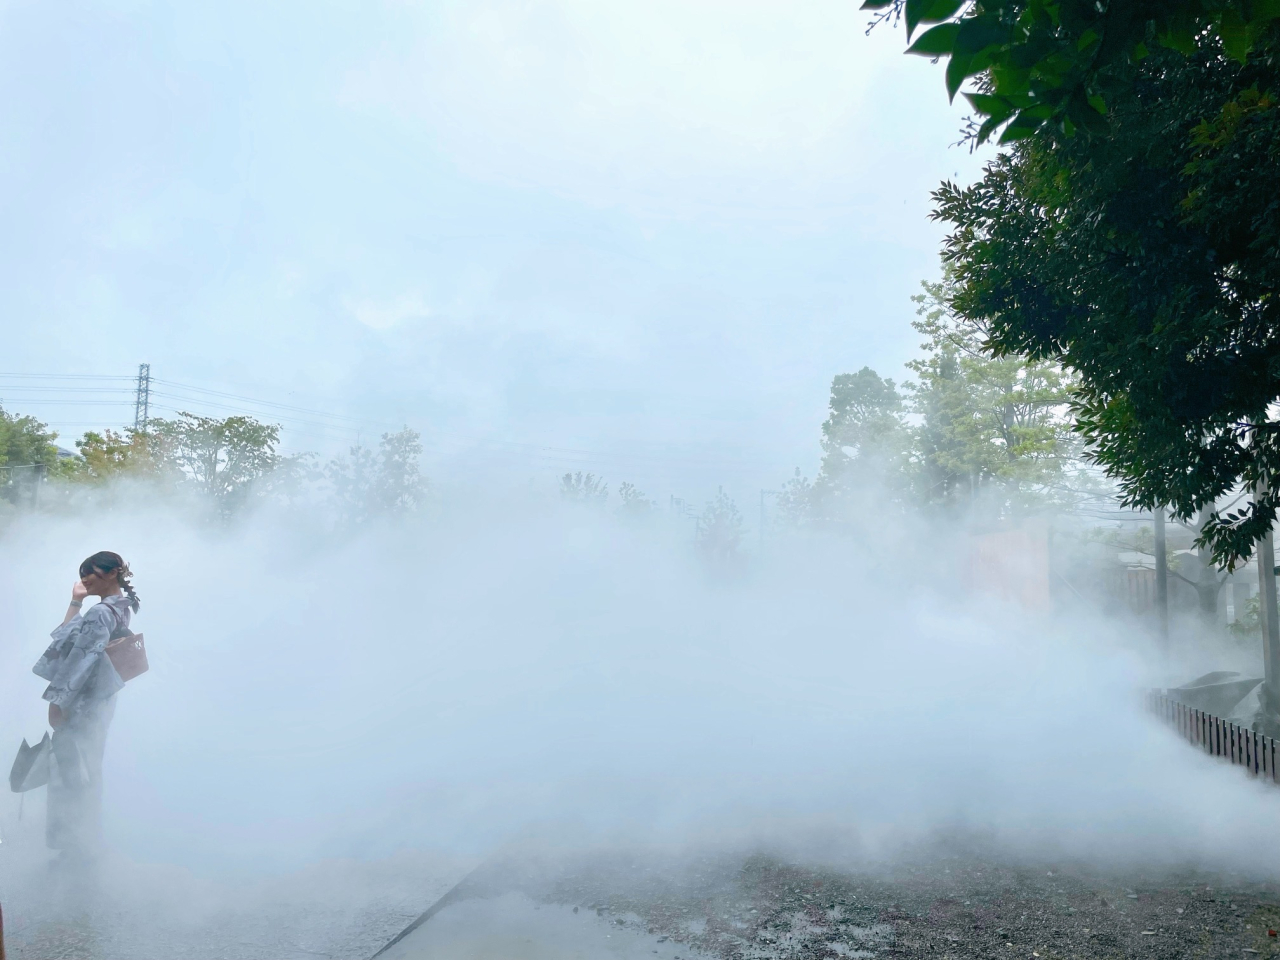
(81, 643)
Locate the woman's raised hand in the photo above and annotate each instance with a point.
(78, 591)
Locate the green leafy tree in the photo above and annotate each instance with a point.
(634, 505)
(720, 529)
(226, 459)
(1062, 64)
(111, 455)
(27, 454)
(992, 429)
(583, 488)
(795, 502)
(386, 482)
(351, 483)
(400, 486)
(1146, 262)
(865, 444)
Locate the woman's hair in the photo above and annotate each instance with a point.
(105, 562)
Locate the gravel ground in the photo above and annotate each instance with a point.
(949, 900)
(961, 904)
(958, 904)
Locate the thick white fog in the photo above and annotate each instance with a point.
(455, 684)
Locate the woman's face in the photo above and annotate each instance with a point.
(99, 584)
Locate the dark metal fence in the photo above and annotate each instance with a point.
(1236, 744)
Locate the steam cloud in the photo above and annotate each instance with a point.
(455, 684)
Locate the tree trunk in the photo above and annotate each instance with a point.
(1208, 583)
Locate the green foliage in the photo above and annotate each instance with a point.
(991, 427)
(25, 441)
(27, 454)
(973, 430)
(634, 504)
(110, 455)
(1146, 261)
(720, 529)
(1063, 62)
(1248, 622)
(865, 442)
(795, 501)
(222, 459)
(399, 487)
(583, 488)
(351, 482)
(386, 482)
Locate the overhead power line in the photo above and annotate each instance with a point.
(26, 388)
(232, 408)
(172, 397)
(268, 403)
(313, 418)
(64, 376)
(75, 403)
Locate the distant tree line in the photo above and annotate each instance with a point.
(228, 463)
(972, 435)
(718, 528)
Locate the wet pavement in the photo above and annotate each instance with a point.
(121, 911)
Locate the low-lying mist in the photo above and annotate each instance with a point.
(518, 668)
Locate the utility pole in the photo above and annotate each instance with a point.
(142, 399)
(1162, 579)
(1267, 616)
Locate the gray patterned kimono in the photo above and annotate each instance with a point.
(83, 683)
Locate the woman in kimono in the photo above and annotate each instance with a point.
(81, 694)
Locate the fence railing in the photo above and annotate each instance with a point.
(1236, 744)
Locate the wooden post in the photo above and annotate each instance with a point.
(1265, 554)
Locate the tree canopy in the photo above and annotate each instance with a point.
(865, 438)
(112, 454)
(221, 458)
(973, 435)
(27, 453)
(385, 482)
(583, 488)
(1062, 62)
(989, 426)
(1146, 261)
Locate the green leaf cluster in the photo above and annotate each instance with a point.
(27, 452)
(388, 481)
(1058, 62)
(583, 488)
(720, 529)
(225, 459)
(633, 504)
(974, 434)
(110, 455)
(1146, 261)
(995, 428)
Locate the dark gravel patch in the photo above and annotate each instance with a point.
(962, 905)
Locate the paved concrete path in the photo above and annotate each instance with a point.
(945, 900)
(346, 910)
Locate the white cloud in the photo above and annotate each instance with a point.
(663, 107)
(385, 315)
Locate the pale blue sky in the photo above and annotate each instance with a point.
(642, 237)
